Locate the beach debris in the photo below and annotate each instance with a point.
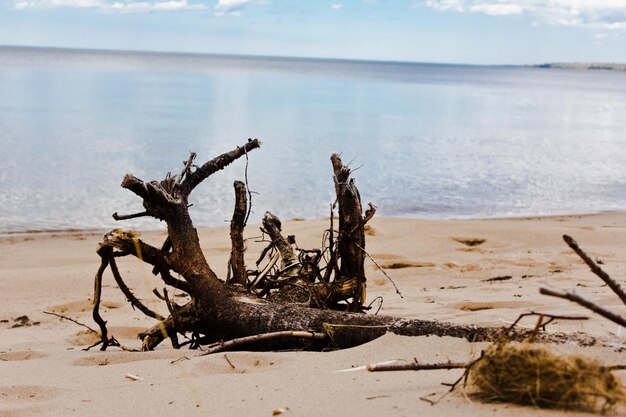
(279, 411)
(133, 377)
(531, 375)
(314, 298)
(576, 298)
(528, 374)
(365, 367)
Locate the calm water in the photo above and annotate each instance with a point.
(430, 140)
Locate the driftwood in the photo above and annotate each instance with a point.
(317, 291)
(588, 304)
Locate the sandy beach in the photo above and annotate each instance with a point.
(441, 267)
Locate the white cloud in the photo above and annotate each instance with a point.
(116, 7)
(336, 6)
(230, 7)
(42, 4)
(594, 14)
(446, 5)
(143, 6)
(499, 9)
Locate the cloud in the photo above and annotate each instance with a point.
(230, 7)
(593, 14)
(336, 6)
(34, 4)
(446, 5)
(121, 7)
(499, 9)
(144, 7)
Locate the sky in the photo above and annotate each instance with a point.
(444, 31)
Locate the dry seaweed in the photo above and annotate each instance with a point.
(532, 375)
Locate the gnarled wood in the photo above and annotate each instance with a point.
(219, 312)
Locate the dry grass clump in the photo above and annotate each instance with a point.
(526, 374)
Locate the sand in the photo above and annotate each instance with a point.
(45, 372)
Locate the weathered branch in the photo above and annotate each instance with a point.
(134, 301)
(415, 366)
(237, 224)
(571, 296)
(194, 178)
(97, 296)
(222, 346)
(595, 268)
(119, 217)
(351, 240)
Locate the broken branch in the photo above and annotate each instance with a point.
(571, 296)
(595, 268)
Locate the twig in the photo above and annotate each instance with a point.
(542, 325)
(129, 216)
(595, 268)
(263, 338)
(571, 296)
(229, 362)
(380, 305)
(381, 270)
(247, 184)
(72, 320)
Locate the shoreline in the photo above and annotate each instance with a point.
(96, 230)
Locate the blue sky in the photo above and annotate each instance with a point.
(450, 31)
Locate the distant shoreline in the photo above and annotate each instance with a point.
(585, 66)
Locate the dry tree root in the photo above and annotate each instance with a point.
(317, 291)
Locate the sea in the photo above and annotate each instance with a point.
(423, 140)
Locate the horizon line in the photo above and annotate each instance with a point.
(266, 56)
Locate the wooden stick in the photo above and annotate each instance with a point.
(595, 268)
(263, 338)
(568, 295)
(414, 366)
